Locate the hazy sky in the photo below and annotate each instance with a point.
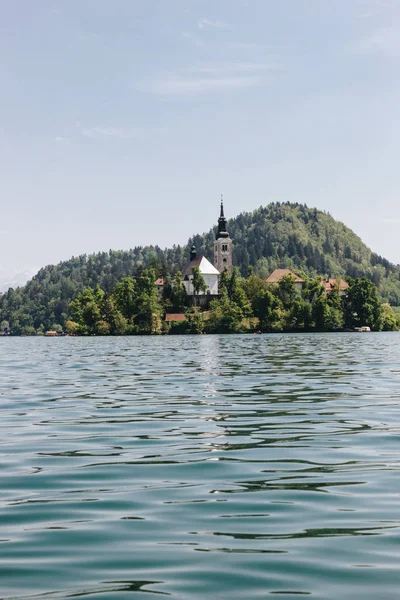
(122, 122)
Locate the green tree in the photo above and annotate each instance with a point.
(194, 322)
(225, 316)
(320, 311)
(268, 309)
(117, 323)
(147, 305)
(179, 296)
(85, 309)
(287, 291)
(237, 294)
(72, 326)
(389, 320)
(364, 306)
(253, 287)
(124, 295)
(198, 282)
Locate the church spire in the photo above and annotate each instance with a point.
(222, 231)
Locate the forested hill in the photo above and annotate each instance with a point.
(278, 235)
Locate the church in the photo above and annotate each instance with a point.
(222, 261)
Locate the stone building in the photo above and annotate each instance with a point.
(222, 245)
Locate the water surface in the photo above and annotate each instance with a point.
(200, 467)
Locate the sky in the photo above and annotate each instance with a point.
(121, 123)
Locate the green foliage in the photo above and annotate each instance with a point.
(178, 296)
(124, 295)
(364, 306)
(390, 320)
(198, 282)
(147, 306)
(287, 291)
(268, 308)
(194, 322)
(226, 316)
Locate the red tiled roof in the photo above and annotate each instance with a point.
(277, 275)
(330, 284)
(175, 317)
(159, 281)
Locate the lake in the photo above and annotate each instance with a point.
(194, 467)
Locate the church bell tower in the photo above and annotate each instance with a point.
(222, 245)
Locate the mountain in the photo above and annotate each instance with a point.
(16, 280)
(278, 235)
(304, 239)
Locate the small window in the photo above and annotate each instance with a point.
(224, 260)
(224, 247)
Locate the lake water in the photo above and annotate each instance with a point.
(194, 467)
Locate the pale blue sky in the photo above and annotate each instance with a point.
(122, 122)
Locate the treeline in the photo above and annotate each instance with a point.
(275, 236)
(135, 306)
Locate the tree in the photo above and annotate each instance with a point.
(364, 307)
(266, 308)
(312, 289)
(194, 322)
(389, 320)
(225, 317)
(299, 315)
(124, 295)
(178, 296)
(320, 311)
(237, 294)
(147, 306)
(86, 309)
(72, 326)
(117, 323)
(287, 291)
(253, 287)
(198, 282)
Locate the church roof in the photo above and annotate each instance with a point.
(206, 268)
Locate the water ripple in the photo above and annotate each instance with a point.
(200, 466)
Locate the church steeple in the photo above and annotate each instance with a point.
(222, 232)
(222, 244)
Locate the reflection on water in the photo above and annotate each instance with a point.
(200, 466)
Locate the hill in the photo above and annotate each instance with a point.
(278, 235)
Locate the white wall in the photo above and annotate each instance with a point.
(211, 281)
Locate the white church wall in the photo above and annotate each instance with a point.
(211, 282)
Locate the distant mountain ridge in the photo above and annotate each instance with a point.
(279, 235)
(16, 280)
